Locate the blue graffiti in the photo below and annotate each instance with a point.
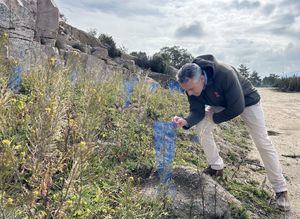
(153, 87)
(15, 79)
(74, 77)
(174, 86)
(195, 138)
(165, 147)
(128, 86)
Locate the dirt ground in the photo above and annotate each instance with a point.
(282, 115)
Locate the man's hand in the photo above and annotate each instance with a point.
(180, 122)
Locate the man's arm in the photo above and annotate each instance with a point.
(234, 97)
(197, 112)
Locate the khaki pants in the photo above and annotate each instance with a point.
(254, 118)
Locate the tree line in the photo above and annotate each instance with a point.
(175, 56)
(273, 80)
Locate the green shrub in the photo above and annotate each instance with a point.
(158, 64)
(109, 42)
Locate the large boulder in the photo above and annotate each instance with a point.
(74, 34)
(17, 17)
(127, 57)
(172, 71)
(161, 78)
(89, 64)
(47, 20)
(129, 64)
(151, 84)
(194, 195)
(100, 52)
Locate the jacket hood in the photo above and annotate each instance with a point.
(208, 64)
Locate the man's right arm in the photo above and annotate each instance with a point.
(197, 112)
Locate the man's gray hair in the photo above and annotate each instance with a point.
(188, 71)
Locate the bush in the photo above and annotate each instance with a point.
(68, 151)
(270, 80)
(288, 84)
(141, 59)
(110, 44)
(158, 64)
(175, 56)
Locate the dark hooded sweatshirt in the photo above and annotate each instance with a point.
(225, 87)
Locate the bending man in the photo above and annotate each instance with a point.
(218, 93)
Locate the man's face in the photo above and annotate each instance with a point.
(194, 87)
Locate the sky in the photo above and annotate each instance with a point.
(261, 34)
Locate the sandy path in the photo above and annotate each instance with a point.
(282, 114)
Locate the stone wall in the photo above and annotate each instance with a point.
(36, 35)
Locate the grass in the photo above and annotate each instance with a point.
(70, 151)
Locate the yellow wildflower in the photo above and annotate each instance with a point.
(10, 201)
(48, 110)
(6, 142)
(35, 193)
(69, 202)
(52, 61)
(14, 62)
(71, 122)
(82, 144)
(42, 213)
(5, 35)
(18, 147)
(131, 179)
(21, 105)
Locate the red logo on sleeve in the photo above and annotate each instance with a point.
(216, 94)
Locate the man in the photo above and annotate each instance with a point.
(217, 93)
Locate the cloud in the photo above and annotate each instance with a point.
(263, 34)
(268, 9)
(119, 8)
(287, 25)
(245, 4)
(194, 29)
(291, 4)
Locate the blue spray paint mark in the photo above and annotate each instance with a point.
(74, 77)
(153, 87)
(174, 86)
(165, 147)
(128, 86)
(15, 79)
(195, 138)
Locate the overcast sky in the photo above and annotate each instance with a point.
(263, 34)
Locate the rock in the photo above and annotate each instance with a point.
(47, 19)
(60, 43)
(92, 65)
(100, 52)
(129, 64)
(127, 57)
(36, 35)
(48, 41)
(81, 47)
(195, 195)
(152, 85)
(18, 18)
(78, 35)
(173, 71)
(4, 15)
(161, 78)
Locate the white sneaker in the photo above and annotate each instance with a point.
(282, 201)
